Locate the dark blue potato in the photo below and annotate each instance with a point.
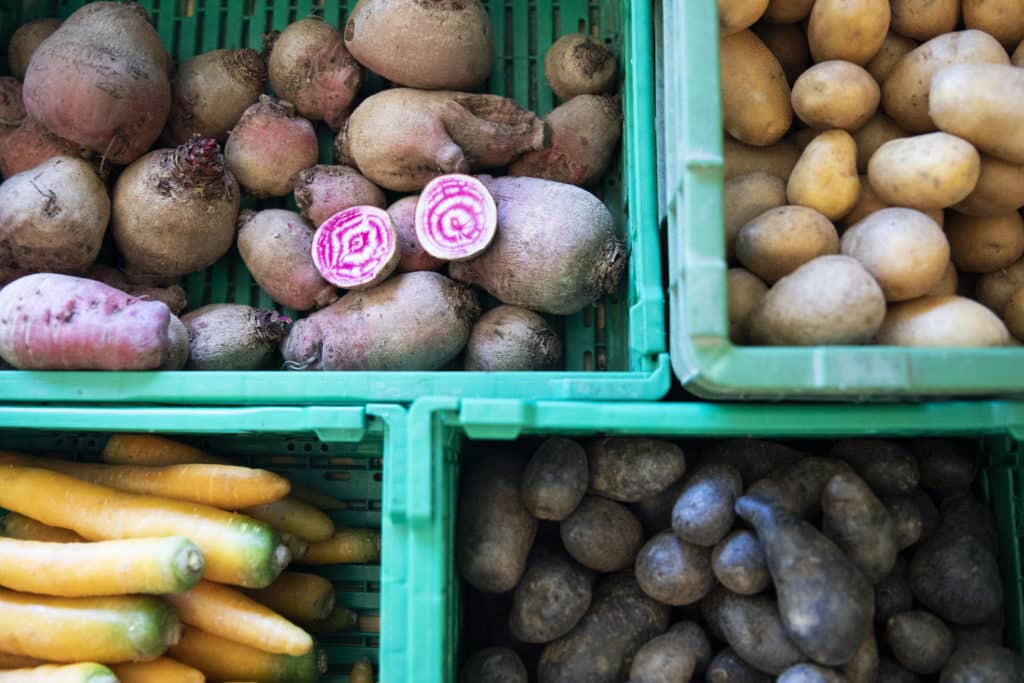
(887, 467)
(696, 641)
(991, 633)
(988, 663)
(919, 641)
(663, 659)
(738, 562)
(602, 534)
(655, 512)
(728, 667)
(808, 478)
(672, 571)
(551, 598)
(753, 459)
(893, 594)
(890, 671)
(809, 673)
(929, 513)
(752, 628)
(824, 600)
(854, 518)
(631, 469)
(494, 665)
(863, 667)
(943, 464)
(555, 479)
(782, 492)
(704, 513)
(907, 523)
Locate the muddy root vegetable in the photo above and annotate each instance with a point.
(752, 627)
(12, 108)
(24, 43)
(558, 238)
(630, 469)
(174, 296)
(402, 138)
(233, 336)
(356, 248)
(174, 212)
(577, 64)
(29, 145)
(455, 217)
(602, 535)
(738, 563)
(492, 665)
(52, 219)
(414, 257)
(672, 571)
(513, 338)
(211, 91)
(269, 146)
(101, 81)
(555, 479)
(454, 42)
(60, 322)
(585, 132)
(309, 66)
(177, 345)
(414, 321)
(728, 667)
(919, 641)
(550, 599)
(704, 513)
(860, 524)
(663, 659)
(322, 191)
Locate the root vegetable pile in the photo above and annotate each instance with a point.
(127, 169)
(861, 561)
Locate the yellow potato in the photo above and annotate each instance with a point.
(924, 172)
(746, 198)
(984, 104)
(781, 240)
(835, 94)
(905, 93)
(1013, 314)
(756, 107)
(1000, 189)
(1001, 19)
(744, 292)
(787, 11)
(851, 30)
(740, 159)
(869, 202)
(830, 300)
(943, 321)
(789, 45)
(924, 19)
(994, 289)
(905, 251)
(879, 130)
(803, 137)
(892, 50)
(984, 244)
(736, 15)
(948, 284)
(1018, 55)
(825, 178)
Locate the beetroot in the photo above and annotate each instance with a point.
(276, 246)
(555, 251)
(177, 345)
(269, 146)
(584, 134)
(455, 217)
(173, 296)
(211, 91)
(60, 322)
(513, 338)
(29, 145)
(233, 336)
(52, 218)
(322, 191)
(356, 248)
(403, 215)
(310, 67)
(101, 81)
(24, 43)
(174, 212)
(415, 321)
(12, 109)
(402, 138)
(576, 64)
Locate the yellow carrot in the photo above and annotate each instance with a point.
(224, 486)
(369, 623)
(295, 517)
(19, 526)
(362, 671)
(227, 613)
(225, 660)
(72, 673)
(161, 670)
(139, 565)
(298, 547)
(18, 661)
(340, 619)
(318, 499)
(149, 449)
(296, 595)
(348, 546)
(124, 628)
(237, 549)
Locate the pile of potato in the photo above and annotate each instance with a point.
(624, 559)
(874, 166)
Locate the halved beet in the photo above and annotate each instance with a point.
(456, 217)
(356, 248)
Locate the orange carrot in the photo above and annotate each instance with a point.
(362, 671)
(237, 549)
(340, 619)
(348, 546)
(296, 595)
(227, 613)
(72, 673)
(226, 660)
(28, 529)
(113, 629)
(161, 670)
(295, 517)
(224, 486)
(18, 661)
(149, 449)
(139, 565)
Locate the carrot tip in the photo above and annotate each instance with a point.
(282, 556)
(194, 561)
(321, 660)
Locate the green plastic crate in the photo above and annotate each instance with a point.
(440, 429)
(356, 454)
(614, 351)
(703, 358)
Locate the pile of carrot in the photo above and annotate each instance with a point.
(166, 564)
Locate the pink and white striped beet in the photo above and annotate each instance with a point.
(356, 248)
(455, 217)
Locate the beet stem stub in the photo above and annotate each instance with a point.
(456, 217)
(356, 248)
